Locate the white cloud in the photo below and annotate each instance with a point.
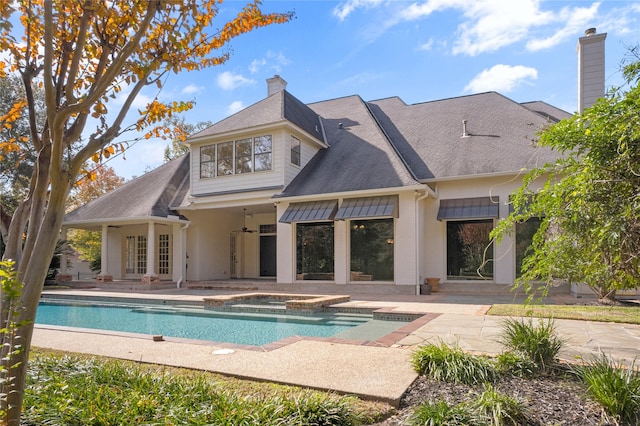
(273, 61)
(234, 107)
(501, 78)
(140, 102)
(576, 20)
(358, 80)
(229, 81)
(491, 25)
(191, 89)
(426, 8)
(488, 25)
(256, 64)
(344, 9)
(427, 46)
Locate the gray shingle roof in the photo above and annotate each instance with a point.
(546, 110)
(371, 145)
(359, 156)
(146, 196)
(273, 109)
(501, 135)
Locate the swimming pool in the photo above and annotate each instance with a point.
(194, 322)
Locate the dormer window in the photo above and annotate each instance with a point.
(236, 157)
(295, 151)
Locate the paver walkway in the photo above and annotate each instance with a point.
(381, 373)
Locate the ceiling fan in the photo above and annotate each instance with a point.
(244, 224)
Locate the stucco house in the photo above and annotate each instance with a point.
(343, 191)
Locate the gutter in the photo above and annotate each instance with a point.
(427, 193)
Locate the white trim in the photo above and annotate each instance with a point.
(284, 123)
(135, 220)
(353, 194)
(476, 176)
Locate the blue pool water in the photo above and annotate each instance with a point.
(196, 323)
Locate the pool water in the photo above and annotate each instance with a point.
(196, 323)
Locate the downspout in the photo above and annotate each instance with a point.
(426, 194)
(183, 231)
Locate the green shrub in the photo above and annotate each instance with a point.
(615, 387)
(85, 391)
(515, 364)
(538, 342)
(317, 410)
(499, 409)
(441, 413)
(450, 364)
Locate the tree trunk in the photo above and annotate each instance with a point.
(606, 295)
(35, 268)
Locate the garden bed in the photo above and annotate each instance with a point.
(550, 400)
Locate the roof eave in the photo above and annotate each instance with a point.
(474, 176)
(170, 219)
(349, 194)
(224, 136)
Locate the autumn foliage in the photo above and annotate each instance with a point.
(92, 58)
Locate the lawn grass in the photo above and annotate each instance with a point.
(89, 390)
(621, 314)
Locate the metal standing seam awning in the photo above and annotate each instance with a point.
(469, 208)
(368, 207)
(310, 211)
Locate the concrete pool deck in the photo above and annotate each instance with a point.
(371, 370)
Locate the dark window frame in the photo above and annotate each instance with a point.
(464, 258)
(296, 151)
(225, 159)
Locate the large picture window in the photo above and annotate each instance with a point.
(524, 237)
(372, 243)
(314, 251)
(236, 157)
(469, 250)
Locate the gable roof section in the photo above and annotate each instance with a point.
(273, 109)
(359, 156)
(549, 111)
(146, 196)
(500, 135)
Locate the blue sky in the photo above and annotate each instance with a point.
(417, 50)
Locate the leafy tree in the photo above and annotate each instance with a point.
(98, 182)
(181, 130)
(16, 165)
(84, 53)
(589, 205)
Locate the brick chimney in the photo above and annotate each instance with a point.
(275, 84)
(590, 68)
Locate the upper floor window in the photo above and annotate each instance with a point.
(236, 157)
(262, 153)
(295, 151)
(208, 161)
